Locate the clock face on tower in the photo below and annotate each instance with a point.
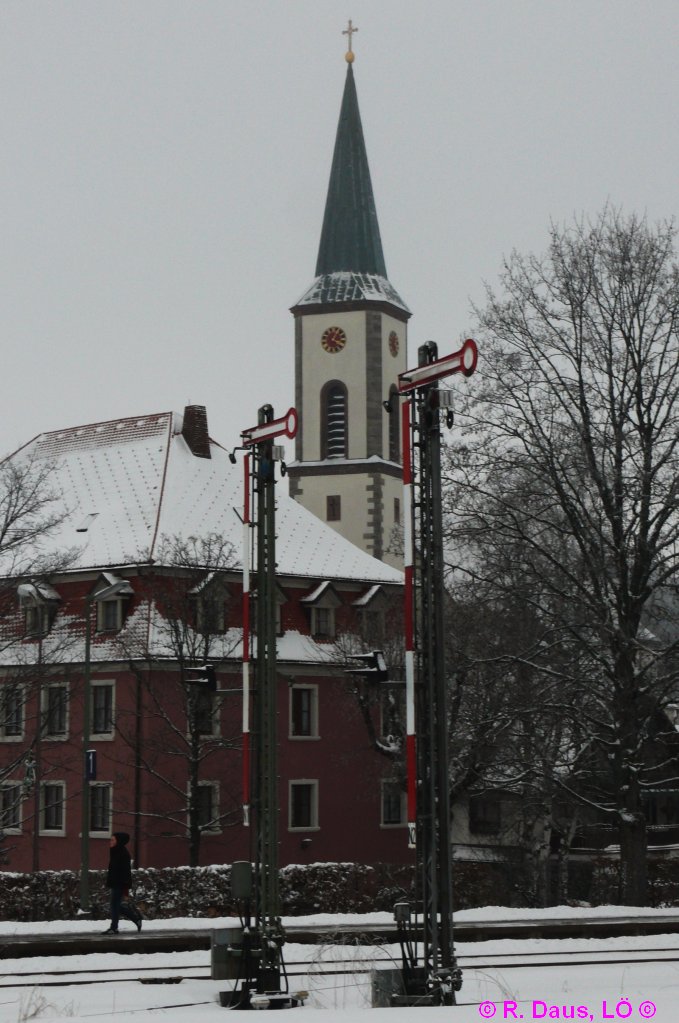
(393, 343)
(333, 339)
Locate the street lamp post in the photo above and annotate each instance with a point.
(85, 807)
(88, 759)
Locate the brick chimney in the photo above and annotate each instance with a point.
(194, 430)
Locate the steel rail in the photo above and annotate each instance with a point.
(317, 968)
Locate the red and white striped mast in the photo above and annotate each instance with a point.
(260, 434)
(247, 640)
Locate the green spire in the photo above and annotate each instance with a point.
(350, 237)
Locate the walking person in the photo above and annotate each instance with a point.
(119, 879)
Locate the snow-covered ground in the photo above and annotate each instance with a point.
(591, 992)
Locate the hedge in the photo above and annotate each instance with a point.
(307, 889)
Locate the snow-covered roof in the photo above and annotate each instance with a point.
(36, 593)
(135, 481)
(324, 590)
(349, 286)
(368, 596)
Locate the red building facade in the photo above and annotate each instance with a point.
(150, 540)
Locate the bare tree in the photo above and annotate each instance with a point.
(187, 602)
(31, 511)
(571, 459)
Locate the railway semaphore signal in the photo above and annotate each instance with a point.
(436, 977)
(205, 678)
(256, 957)
(463, 361)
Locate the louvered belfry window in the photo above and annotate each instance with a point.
(394, 425)
(334, 421)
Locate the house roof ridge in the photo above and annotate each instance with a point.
(104, 422)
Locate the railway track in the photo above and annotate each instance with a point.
(175, 973)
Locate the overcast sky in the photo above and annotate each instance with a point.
(164, 165)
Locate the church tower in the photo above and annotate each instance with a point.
(350, 346)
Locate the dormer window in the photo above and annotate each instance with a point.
(322, 604)
(209, 598)
(323, 622)
(110, 596)
(372, 607)
(110, 615)
(280, 598)
(39, 602)
(36, 620)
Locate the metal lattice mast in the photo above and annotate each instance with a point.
(427, 713)
(432, 710)
(258, 955)
(266, 773)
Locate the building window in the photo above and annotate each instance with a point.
(211, 612)
(205, 718)
(392, 713)
(303, 805)
(208, 806)
(10, 808)
(393, 805)
(109, 615)
(37, 618)
(101, 723)
(11, 712)
(304, 712)
(334, 420)
(100, 809)
(333, 508)
(53, 808)
(373, 628)
(397, 511)
(485, 814)
(323, 622)
(280, 599)
(394, 425)
(39, 601)
(55, 712)
(322, 603)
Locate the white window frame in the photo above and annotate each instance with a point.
(19, 736)
(216, 829)
(218, 599)
(215, 715)
(44, 712)
(402, 822)
(102, 832)
(398, 715)
(37, 619)
(314, 825)
(332, 630)
(53, 832)
(110, 735)
(15, 828)
(484, 802)
(312, 688)
(278, 609)
(102, 623)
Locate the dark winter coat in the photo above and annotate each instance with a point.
(119, 866)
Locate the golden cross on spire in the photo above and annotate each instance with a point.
(349, 31)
